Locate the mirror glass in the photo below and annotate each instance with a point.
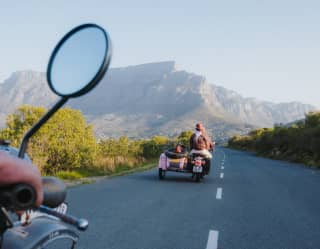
(78, 60)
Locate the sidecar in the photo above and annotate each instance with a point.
(182, 163)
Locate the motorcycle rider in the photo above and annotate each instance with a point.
(200, 143)
(14, 170)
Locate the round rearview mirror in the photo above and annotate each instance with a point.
(79, 60)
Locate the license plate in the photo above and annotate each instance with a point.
(33, 214)
(197, 169)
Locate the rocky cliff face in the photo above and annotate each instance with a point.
(154, 98)
(24, 87)
(259, 113)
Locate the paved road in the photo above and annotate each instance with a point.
(260, 204)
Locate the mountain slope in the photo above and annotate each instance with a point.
(154, 98)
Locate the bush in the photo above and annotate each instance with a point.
(64, 143)
(299, 142)
(66, 146)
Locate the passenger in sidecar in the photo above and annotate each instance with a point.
(175, 159)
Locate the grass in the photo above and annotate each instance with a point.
(69, 175)
(79, 173)
(85, 174)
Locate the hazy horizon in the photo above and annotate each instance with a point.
(266, 50)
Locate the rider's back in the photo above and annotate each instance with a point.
(198, 142)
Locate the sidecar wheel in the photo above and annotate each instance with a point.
(198, 177)
(162, 174)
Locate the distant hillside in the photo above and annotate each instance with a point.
(155, 98)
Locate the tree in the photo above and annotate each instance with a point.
(312, 120)
(65, 142)
(153, 147)
(184, 138)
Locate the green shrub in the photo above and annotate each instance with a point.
(64, 143)
(299, 142)
(66, 146)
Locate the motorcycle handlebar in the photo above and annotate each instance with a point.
(23, 196)
(54, 191)
(18, 197)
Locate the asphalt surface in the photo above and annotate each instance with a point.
(261, 204)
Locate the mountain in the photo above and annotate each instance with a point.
(24, 87)
(154, 98)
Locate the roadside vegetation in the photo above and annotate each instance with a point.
(299, 142)
(66, 146)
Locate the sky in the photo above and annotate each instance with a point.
(266, 49)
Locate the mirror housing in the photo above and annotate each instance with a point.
(79, 61)
(102, 61)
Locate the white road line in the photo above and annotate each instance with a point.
(221, 175)
(224, 155)
(219, 193)
(222, 167)
(212, 240)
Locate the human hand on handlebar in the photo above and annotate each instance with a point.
(14, 170)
